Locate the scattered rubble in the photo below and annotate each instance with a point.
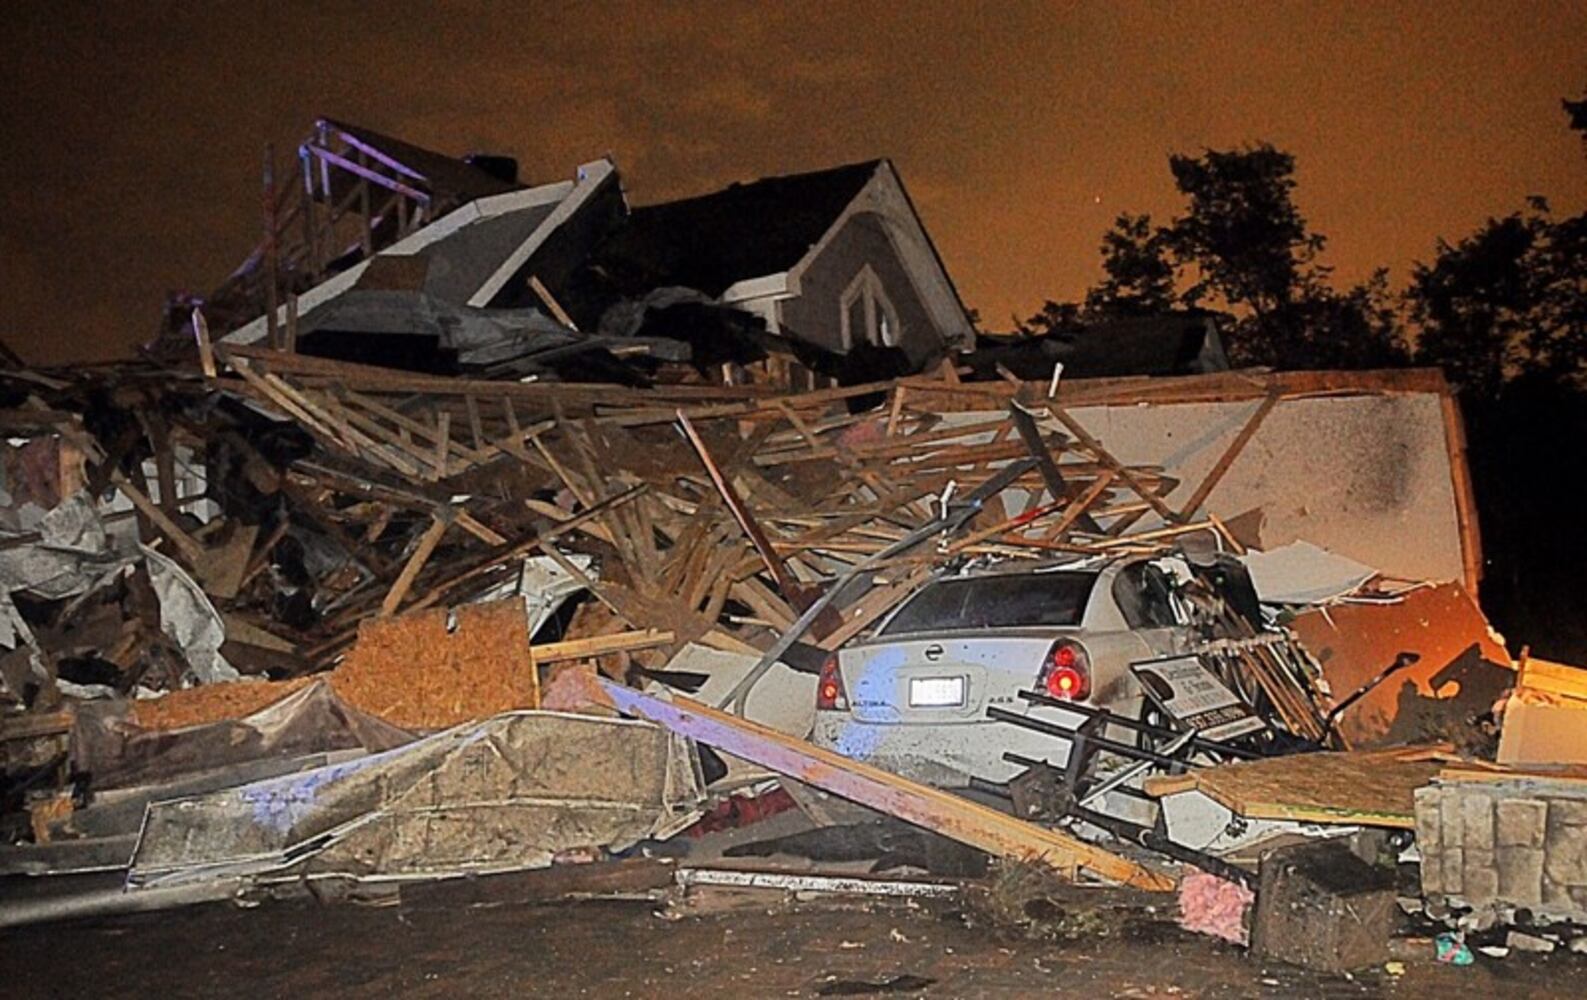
(473, 527)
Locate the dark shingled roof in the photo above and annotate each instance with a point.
(743, 231)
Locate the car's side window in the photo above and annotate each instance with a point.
(1142, 592)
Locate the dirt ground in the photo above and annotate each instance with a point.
(718, 943)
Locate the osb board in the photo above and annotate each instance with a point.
(1375, 789)
(413, 672)
(1463, 665)
(210, 703)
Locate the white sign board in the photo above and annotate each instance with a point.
(1189, 692)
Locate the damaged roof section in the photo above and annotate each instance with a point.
(382, 250)
(744, 231)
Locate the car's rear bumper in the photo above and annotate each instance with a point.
(946, 755)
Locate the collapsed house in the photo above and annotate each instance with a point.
(441, 265)
(444, 550)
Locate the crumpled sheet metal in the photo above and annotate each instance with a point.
(75, 555)
(189, 619)
(510, 792)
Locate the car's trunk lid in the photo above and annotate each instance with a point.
(940, 678)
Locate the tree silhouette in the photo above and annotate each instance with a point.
(1508, 301)
(1139, 274)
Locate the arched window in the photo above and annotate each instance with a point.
(867, 314)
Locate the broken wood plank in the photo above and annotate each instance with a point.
(601, 645)
(1102, 455)
(410, 570)
(191, 551)
(549, 301)
(933, 809)
(1213, 477)
(206, 347)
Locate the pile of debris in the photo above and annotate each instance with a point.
(402, 577)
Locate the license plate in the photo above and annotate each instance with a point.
(935, 692)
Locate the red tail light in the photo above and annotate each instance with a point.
(829, 687)
(1066, 672)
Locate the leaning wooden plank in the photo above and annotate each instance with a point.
(191, 551)
(752, 529)
(544, 295)
(1227, 459)
(421, 555)
(1102, 455)
(481, 531)
(931, 808)
(206, 347)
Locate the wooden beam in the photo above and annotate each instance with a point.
(410, 571)
(601, 645)
(779, 572)
(1229, 455)
(206, 347)
(373, 177)
(189, 548)
(1465, 499)
(549, 301)
(929, 808)
(1102, 455)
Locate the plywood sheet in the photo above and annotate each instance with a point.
(1373, 789)
(211, 703)
(414, 672)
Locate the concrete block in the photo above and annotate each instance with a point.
(1520, 875)
(1476, 814)
(1522, 822)
(1566, 850)
(1451, 872)
(1432, 870)
(1557, 901)
(1449, 817)
(1568, 812)
(1429, 831)
(1480, 878)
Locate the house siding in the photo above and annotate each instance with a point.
(816, 313)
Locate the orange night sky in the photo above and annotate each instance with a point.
(133, 135)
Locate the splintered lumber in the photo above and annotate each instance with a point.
(1050, 474)
(930, 808)
(1094, 446)
(746, 520)
(206, 347)
(191, 551)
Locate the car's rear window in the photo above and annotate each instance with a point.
(1011, 601)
